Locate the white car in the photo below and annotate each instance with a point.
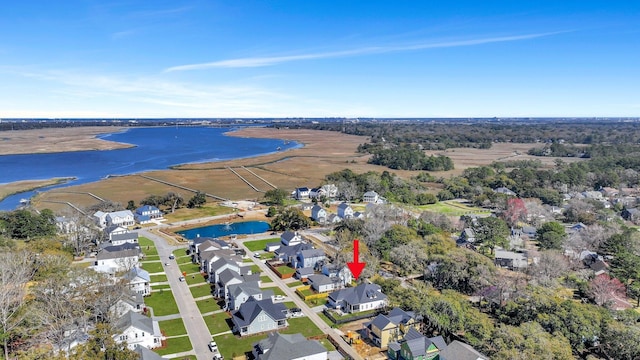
(213, 346)
(256, 255)
(278, 297)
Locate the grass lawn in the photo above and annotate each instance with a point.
(295, 284)
(204, 211)
(231, 346)
(152, 258)
(316, 302)
(176, 345)
(217, 323)
(163, 286)
(153, 267)
(200, 290)
(162, 303)
(208, 305)
(327, 344)
(325, 318)
(195, 279)
(247, 260)
(302, 325)
(173, 327)
(255, 269)
(184, 260)
(257, 245)
(276, 290)
(306, 292)
(151, 250)
(265, 279)
(144, 242)
(158, 278)
(452, 208)
(284, 270)
(190, 268)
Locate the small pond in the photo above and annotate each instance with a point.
(220, 230)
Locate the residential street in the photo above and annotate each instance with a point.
(193, 321)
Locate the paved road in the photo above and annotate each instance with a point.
(193, 321)
(305, 309)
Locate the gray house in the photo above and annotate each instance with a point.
(240, 293)
(309, 258)
(288, 347)
(511, 260)
(323, 283)
(256, 316)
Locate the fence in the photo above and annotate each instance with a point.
(313, 295)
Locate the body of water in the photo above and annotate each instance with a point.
(156, 148)
(220, 230)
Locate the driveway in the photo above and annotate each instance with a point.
(193, 321)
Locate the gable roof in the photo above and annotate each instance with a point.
(146, 354)
(288, 235)
(250, 288)
(320, 280)
(252, 308)
(111, 228)
(309, 253)
(290, 251)
(343, 206)
(360, 294)
(124, 236)
(147, 208)
(137, 272)
(305, 271)
(136, 320)
(227, 275)
(120, 214)
(288, 347)
(460, 351)
(223, 261)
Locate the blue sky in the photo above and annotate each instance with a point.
(209, 58)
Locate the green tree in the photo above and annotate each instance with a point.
(275, 196)
(290, 219)
(491, 232)
(272, 211)
(197, 200)
(397, 235)
(551, 235)
(102, 346)
(131, 205)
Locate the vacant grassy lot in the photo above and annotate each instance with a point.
(453, 208)
(200, 290)
(302, 325)
(162, 303)
(218, 323)
(209, 305)
(158, 278)
(173, 327)
(207, 210)
(176, 345)
(259, 244)
(153, 266)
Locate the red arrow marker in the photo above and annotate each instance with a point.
(356, 266)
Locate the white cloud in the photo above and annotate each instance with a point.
(274, 60)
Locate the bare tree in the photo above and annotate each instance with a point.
(347, 190)
(15, 272)
(173, 200)
(550, 266)
(537, 214)
(605, 290)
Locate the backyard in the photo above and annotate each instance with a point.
(258, 245)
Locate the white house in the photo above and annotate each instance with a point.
(318, 213)
(139, 281)
(121, 218)
(302, 193)
(345, 211)
(322, 283)
(100, 218)
(127, 237)
(238, 294)
(114, 259)
(109, 231)
(371, 197)
(290, 238)
(137, 329)
(343, 274)
(360, 298)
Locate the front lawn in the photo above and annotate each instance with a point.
(302, 325)
(255, 269)
(149, 250)
(158, 278)
(190, 268)
(325, 318)
(184, 260)
(159, 287)
(173, 327)
(195, 279)
(152, 267)
(327, 344)
(176, 345)
(258, 245)
(200, 290)
(231, 346)
(162, 303)
(295, 284)
(144, 242)
(265, 279)
(217, 323)
(209, 305)
(151, 258)
(316, 302)
(205, 211)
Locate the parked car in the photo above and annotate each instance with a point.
(181, 278)
(171, 257)
(278, 297)
(256, 255)
(213, 346)
(295, 312)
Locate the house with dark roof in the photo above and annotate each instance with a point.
(290, 238)
(510, 259)
(301, 193)
(289, 254)
(303, 273)
(272, 246)
(134, 302)
(632, 215)
(256, 316)
(121, 238)
(289, 347)
(458, 350)
(139, 281)
(220, 265)
(146, 354)
(309, 258)
(113, 230)
(322, 283)
(345, 211)
(384, 329)
(137, 329)
(318, 213)
(342, 273)
(360, 298)
(238, 294)
(230, 277)
(416, 346)
(209, 257)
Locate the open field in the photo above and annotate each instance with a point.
(453, 208)
(57, 140)
(26, 185)
(323, 152)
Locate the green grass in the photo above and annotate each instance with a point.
(255, 269)
(162, 303)
(195, 279)
(195, 213)
(200, 290)
(452, 208)
(284, 270)
(247, 260)
(277, 291)
(306, 292)
(173, 327)
(208, 305)
(190, 268)
(144, 242)
(265, 279)
(231, 345)
(217, 323)
(152, 258)
(151, 251)
(176, 345)
(258, 245)
(325, 318)
(163, 286)
(302, 325)
(327, 344)
(316, 302)
(295, 284)
(184, 260)
(158, 278)
(153, 267)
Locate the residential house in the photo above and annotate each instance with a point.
(345, 211)
(121, 218)
(391, 327)
(290, 238)
(221, 265)
(360, 298)
(318, 213)
(256, 316)
(100, 218)
(302, 274)
(139, 281)
(226, 278)
(358, 215)
(66, 225)
(123, 238)
(207, 258)
(632, 215)
(530, 231)
(240, 293)
(309, 258)
(118, 258)
(109, 231)
(416, 346)
(301, 193)
(289, 347)
(333, 219)
(330, 190)
(511, 260)
(371, 197)
(458, 350)
(316, 193)
(289, 254)
(146, 354)
(272, 246)
(145, 214)
(134, 303)
(342, 273)
(321, 283)
(467, 238)
(505, 191)
(209, 244)
(137, 329)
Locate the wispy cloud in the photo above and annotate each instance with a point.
(274, 60)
